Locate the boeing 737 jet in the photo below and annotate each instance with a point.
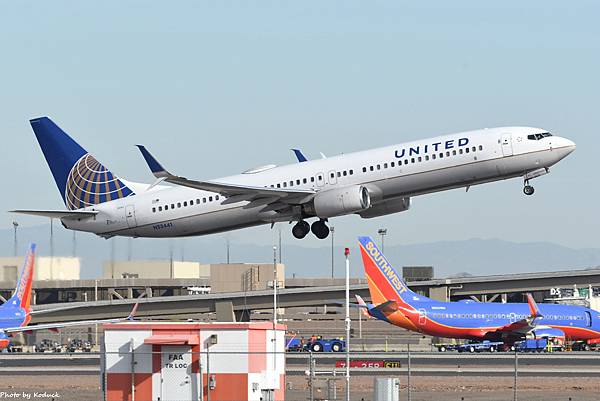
(15, 313)
(393, 302)
(370, 183)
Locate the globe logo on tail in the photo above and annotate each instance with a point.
(90, 183)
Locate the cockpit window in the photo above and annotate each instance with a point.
(537, 137)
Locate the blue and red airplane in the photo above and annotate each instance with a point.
(15, 313)
(393, 302)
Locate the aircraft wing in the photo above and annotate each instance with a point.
(50, 326)
(271, 198)
(525, 325)
(58, 214)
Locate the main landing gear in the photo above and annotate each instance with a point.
(319, 229)
(528, 189)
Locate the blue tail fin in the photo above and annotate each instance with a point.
(81, 180)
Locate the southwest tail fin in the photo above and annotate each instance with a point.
(385, 284)
(81, 180)
(21, 298)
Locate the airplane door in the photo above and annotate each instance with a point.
(506, 142)
(320, 179)
(422, 317)
(130, 216)
(332, 177)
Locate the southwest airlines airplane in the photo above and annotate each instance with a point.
(15, 313)
(370, 183)
(393, 302)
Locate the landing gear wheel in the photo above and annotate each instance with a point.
(528, 190)
(320, 229)
(300, 230)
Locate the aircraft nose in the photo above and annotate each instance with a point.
(568, 144)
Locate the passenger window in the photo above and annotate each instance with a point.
(441, 155)
(480, 147)
(339, 174)
(412, 159)
(454, 153)
(178, 204)
(160, 210)
(379, 167)
(285, 184)
(426, 157)
(291, 183)
(448, 154)
(405, 161)
(371, 168)
(312, 179)
(332, 175)
(460, 151)
(297, 182)
(166, 207)
(433, 156)
(172, 206)
(210, 198)
(474, 149)
(304, 180)
(278, 185)
(185, 204)
(384, 165)
(197, 201)
(392, 164)
(217, 197)
(364, 169)
(419, 159)
(345, 173)
(203, 200)
(153, 210)
(351, 171)
(466, 150)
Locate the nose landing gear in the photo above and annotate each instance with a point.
(528, 189)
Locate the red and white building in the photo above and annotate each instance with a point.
(163, 361)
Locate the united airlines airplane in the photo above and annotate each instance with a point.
(393, 302)
(15, 313)
(370, 183)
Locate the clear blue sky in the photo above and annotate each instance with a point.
(214, 88)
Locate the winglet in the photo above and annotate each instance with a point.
(157, 169)
(363, 305)
(134, 309)
(131, 315)
(533, 308)
(301, 158)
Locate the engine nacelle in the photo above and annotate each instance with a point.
(546, 332)
(386, 207)
(341, 201)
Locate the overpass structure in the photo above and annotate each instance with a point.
(238, 305)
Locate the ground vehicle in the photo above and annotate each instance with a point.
(484, 346)
(536, 345)
(317, 344)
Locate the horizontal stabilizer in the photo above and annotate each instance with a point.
(58, 214)
(387, 307)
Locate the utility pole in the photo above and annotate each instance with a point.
(346, 254)
(74, 250)
(274, 287)
(382, 232)
(279, 244)
(15, 225)
(227, 245)
(332, 230)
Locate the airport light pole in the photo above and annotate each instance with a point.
(274, 287)
(279, 244)
(15, 226)
(347, 254)
(382, 232)
(227, 246)
(332, 230)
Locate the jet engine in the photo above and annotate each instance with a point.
(339, 201)
(546, 332)
(386, 207)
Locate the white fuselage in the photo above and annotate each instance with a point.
(390, 173)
